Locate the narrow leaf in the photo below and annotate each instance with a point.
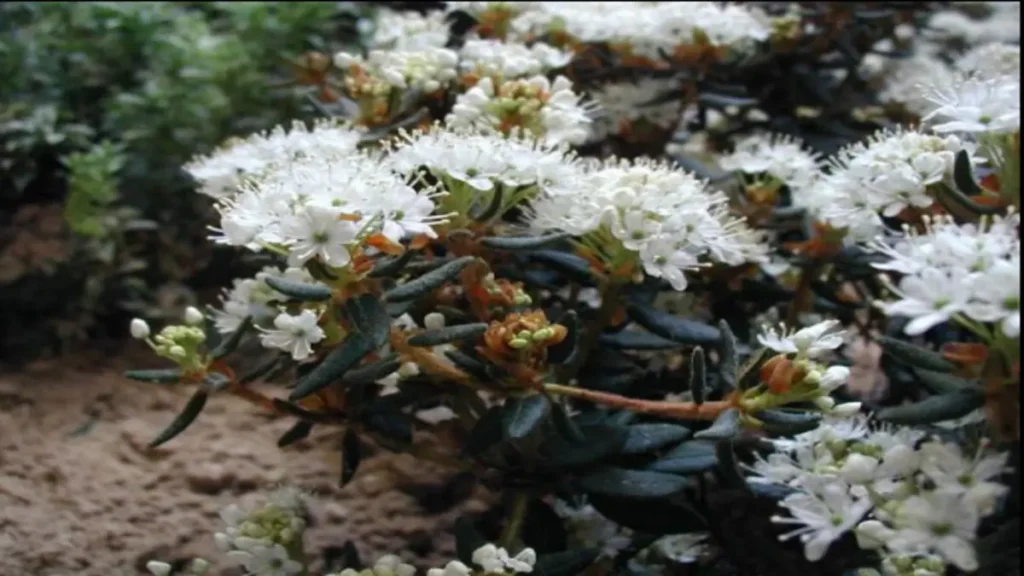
(159, 376)
(375, 371)
(725, 426)
(698, 375)
(644, 438)
(601, 441)
(351, 456)
(728, 356)
(522, 416)
(565, 424)
(486, 433)
(569, 265)
(478, 369)
(673, 327)
(934, 409)
(563, 352)
(492, 208)
(428, 282)
(467, 540)
(231, 343)
(260, 370)
(963, 175)
(568, 563)
(392, 424)
(389, 267)
(788, 422)
(941, 382)
(339, 361)
(299, 431)
(521, 242)
(688, 458)
(637, 340)
(915, 356)
(302, 291)
(370, 317)
(183, 420)
(448, 334)
(662, 516)
(639, 484)
(728, 467)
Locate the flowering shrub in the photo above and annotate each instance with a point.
(524, 252)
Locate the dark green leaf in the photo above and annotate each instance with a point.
(688, 458)
(428, 282)
(448, 334)
(231, 343)
(521, 242)
(637, 340)
(487, 432)
(941, 382)
(543, 530)
(915, 356)
(782, 421)
(183, 420)
(749, 374)
(339, 361)
(934, 409)
(216, 381)
(351, 455)
(159, 376)
(728, 357)
(375, 371)
(658, 517)
(299, 431)
(484, 372)
(963, 175)
(302, 291)
(393, 266)
(569, 265)
(565, 424)
(391, 424)
(623, 483)
(563, 352)
(522, 416)
(698, 375)
(260, 370)
(725, 426)
(300, 412)
(467, 540)
(673, 327)
(645, 438)
(728, 467)
(568, 563)
(492, 208)
(724, 100)
(369, 316)
(601, 441)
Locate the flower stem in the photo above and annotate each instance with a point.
(516, 517)
(679, 410)
(610, 293)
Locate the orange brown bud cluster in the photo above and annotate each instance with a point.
(779, 373)
(520, 342)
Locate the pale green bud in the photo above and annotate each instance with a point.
(518, 343)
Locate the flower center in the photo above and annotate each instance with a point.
(942, 529)
(1012, 303)
(321, 237)
(837, 520)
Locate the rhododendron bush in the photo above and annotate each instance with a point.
(614, 260)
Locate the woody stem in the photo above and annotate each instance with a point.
(680, 410)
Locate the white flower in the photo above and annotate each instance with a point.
(494, 559)
(930, 298)
(976, 105)
(139, 329)
(995, 296)
(158, 568)
(509, 60)
(991, 60)
(945, 465)
(872, 534)
(294, 334)
(270, 560)
(193, 316)
(622, 104)
(588, 528)
(319, 232)
(453, 568)
(682, 548)
(810, 342)
(391, 565)
(409, 30)
(939, 522)
(824, 513)
(904, 80)
(781, 156)
(859, 469)
(425, 68)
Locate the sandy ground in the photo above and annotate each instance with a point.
(80, 493)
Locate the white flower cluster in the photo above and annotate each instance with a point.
(782, 157)
(493, 560)
(664, 216)
(976, 105)
(264, 538)
(587, 528)
(647, 28)
(902, 84)
(1002, 24)
(891, 171)
(409, 31)
(550, 111)
(993, 60)
(427, 69)
(485, 58)
(951, 270)
(914, 501)
(221, 174)
(250, 297)
(623, 104)
(389, 565)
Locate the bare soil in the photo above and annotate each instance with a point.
(81, 494)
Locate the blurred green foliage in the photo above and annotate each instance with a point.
(100, 105)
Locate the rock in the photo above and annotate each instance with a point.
(208, 478)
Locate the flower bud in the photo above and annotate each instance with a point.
(408, 370)
(872, 534)
(434, 321)
(824, 403)
(846, 409)
(901, 460)
(858, 468)
(157, 568)
(139, 329)
(518, 343)
(198, 567)
(193, 316)
(177, 352)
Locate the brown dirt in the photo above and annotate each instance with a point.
(81, 494)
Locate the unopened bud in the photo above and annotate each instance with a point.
(858, 469)
(198, 567)
(434, 321)
(157, 568)
(193, 316)
(139, 329)
(408, 370)
(543, 334)
(177, 352)
(518, 343)
(825, 403)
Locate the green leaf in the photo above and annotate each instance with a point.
(301, 291)
(183, 420)
(725, 426)
(688, 458)
(389, 267)
(467, 540)
(644, 438)
(299, 431)
(231, 343)
(302, 413)
(512, 243)
(569, 265)
(390, 424)
(656, 517)
(638, 484)
(934, 409)
(963, 177)
(351, 456)
(523, 415)
(428, 282)
(159, 376)
(492, 208)
(749, 374)
(915, 356)
(600, 441)
(698, 375)
(565, 424)
(543, 529)
(637, 340)
(448, 334)
(728, 466)
(673, 327)
(478, 369)
(789, 422)
(260, 370)
(568, 563)
(339, 361)
(369, 316)
(941, 382)
(375, 371)
(724, 100)
(728, 362)
(487, 432)
(563, 352)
